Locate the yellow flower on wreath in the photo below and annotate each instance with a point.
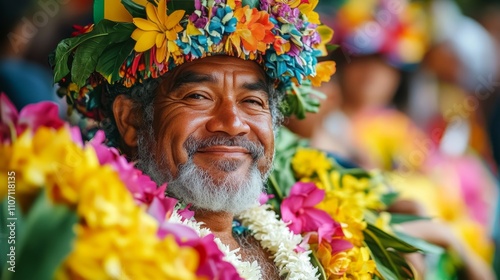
(291, 3)
(307, 8)
(324, 70)
(159, 29)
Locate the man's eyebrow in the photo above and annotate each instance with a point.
(257, 86)
(191, 77)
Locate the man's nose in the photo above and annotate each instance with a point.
(227, 118)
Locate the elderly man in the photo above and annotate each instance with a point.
(206, 128)
(193, 96)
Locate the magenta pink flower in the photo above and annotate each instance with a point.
(298, 209)
(212, 264)
(264, 197)
(31, 117)
(185, 213)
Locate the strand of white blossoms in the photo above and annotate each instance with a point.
(273, 235)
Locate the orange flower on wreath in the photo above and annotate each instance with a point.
(253, 31)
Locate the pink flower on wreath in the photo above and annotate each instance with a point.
(212, 264)
(264, 198)
(299, 209)
(32, 116)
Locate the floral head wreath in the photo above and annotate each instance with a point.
(396, 29)
(130, 43)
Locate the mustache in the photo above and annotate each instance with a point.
(192, 145)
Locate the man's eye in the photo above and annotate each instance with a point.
(254, 102)
(195, 96)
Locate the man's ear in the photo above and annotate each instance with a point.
(126, 119)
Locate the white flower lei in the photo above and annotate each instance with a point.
(273, 235)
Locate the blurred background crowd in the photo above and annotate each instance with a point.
(416, 94)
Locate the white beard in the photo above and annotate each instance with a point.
(193, 185)
(234, 194)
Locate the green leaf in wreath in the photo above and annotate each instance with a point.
(386, 251)
(251, 3)
(86, 57)
(391, 241)
(331, 47)
(423, 245)
(186, 5)
(112, 58)
(134, 9)
(63, 51)
(105, 33)
(114, 33)
(305, 99)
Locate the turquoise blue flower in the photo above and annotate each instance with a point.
(195, 46)
(223, 22)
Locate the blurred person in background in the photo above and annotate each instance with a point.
(490, 19)
(459, 76)
(30, 30)
(25, 82)
(380, 40)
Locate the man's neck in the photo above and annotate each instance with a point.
(220, 224)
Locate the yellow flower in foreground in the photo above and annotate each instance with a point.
(354, 263)
(361, 266)
(158, 29)
(109, 206)
(133, 252)
(306, 162)
(44, 159)
(334, 265)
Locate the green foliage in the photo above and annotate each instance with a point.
(112, 58)
(403, 218)
(134, 9)
(421, 244)
(89, 48)
(386, 250)
(251, 3)
(389, 198)
(44, 242)
(306, 100)
(315, 262)
(282, 178)
(186, 5)
(331, 47)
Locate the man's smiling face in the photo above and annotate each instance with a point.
(215, 113)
